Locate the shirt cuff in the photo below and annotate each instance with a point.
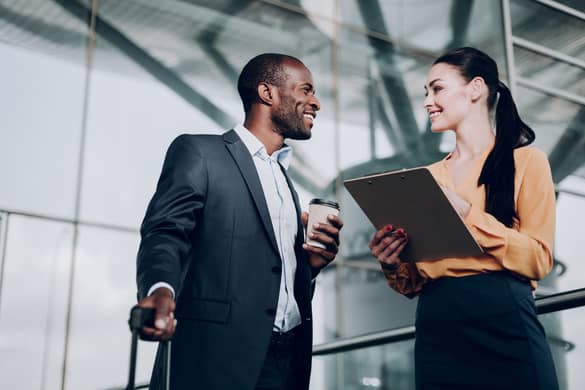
(161, 284)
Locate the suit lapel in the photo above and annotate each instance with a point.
(242, 157)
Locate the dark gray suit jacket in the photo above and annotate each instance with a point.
(207, 232)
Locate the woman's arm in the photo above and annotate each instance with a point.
(386, 246)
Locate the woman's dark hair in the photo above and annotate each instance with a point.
(511, 132)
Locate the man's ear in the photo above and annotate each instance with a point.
(267, 93)
(478, 88)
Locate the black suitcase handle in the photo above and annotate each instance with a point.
(140, 317)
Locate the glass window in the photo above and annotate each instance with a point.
(566, 338)
(570, 217)
(104, 291)
(33, 302)
(40, 122)
(139, 103)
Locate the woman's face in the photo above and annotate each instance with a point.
(448, 97)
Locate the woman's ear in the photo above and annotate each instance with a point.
(267, 93)
(478, 88)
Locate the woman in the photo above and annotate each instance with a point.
(476, 326)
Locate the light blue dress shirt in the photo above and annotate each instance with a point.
(283, 214)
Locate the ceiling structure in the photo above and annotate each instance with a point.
(189, 45)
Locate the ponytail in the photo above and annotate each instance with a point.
(498, 170)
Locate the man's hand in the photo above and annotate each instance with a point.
(325, 233)
(164, 321)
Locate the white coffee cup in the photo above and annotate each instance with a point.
(319, 209)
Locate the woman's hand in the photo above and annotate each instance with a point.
(386, 246)
(459, 204)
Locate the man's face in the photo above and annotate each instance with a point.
(297, 108)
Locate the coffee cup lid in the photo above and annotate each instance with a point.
(325, 202)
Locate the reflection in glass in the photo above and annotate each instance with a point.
(389, 366)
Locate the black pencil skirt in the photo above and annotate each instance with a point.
(481, 332)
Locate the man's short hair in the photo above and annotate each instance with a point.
(266, 68)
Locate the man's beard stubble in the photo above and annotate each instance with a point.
(288, 123)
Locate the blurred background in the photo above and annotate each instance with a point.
(92, 93)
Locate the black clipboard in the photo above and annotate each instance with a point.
(413, 200)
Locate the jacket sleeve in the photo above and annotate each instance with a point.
(171, 216)
(525, 249)
(405, 279)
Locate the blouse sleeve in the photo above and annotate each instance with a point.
(405, 279)
(525, 249)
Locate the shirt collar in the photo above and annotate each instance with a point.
(256, 148)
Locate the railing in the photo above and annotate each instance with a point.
(547, 304)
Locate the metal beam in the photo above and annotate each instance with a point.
(509, 47)
(562, 8)
(569, 152)
(551, 91)
(42, 29)
(392, 81)
(545, 51)
(151, 65)
(459, 18)
(208, 36)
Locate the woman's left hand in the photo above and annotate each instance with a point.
(386, 246)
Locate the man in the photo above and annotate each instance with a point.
(223, 235)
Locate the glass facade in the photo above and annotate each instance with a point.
(93, 92)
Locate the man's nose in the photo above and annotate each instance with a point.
(315, 104)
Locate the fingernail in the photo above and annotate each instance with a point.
(176, 322)
(316, 226)
(161, 323)
(388, 228)
(401, 232)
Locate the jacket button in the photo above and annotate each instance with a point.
(270, 312)
(276, 270)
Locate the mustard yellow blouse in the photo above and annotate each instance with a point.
(525, 249)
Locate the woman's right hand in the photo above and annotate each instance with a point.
(386, 246)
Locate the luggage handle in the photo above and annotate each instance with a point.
(140, 317)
